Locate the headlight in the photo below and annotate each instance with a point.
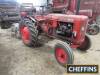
(82, 29)
(74, 33)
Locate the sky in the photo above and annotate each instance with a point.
(35, 2)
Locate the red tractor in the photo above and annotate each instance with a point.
(89, 8)
(69, 28)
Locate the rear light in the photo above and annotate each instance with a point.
(82, 28)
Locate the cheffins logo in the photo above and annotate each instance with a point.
(82, 68)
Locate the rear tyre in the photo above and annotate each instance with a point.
(29, 33)
(63, 54)
(86, 44)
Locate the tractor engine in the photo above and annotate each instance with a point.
(64, 29)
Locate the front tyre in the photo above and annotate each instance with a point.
(86, 44)
(63, 54)
(29, 32)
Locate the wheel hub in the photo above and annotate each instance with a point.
(61, 55)
(25, 34)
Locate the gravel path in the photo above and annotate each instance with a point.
(17, 59)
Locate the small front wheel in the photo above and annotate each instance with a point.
(64, 54)
(86, 44)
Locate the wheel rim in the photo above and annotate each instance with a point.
(61, 55)
(25, 34)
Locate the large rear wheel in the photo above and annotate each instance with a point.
(63, 54)
(29, 32)
(86, 44)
